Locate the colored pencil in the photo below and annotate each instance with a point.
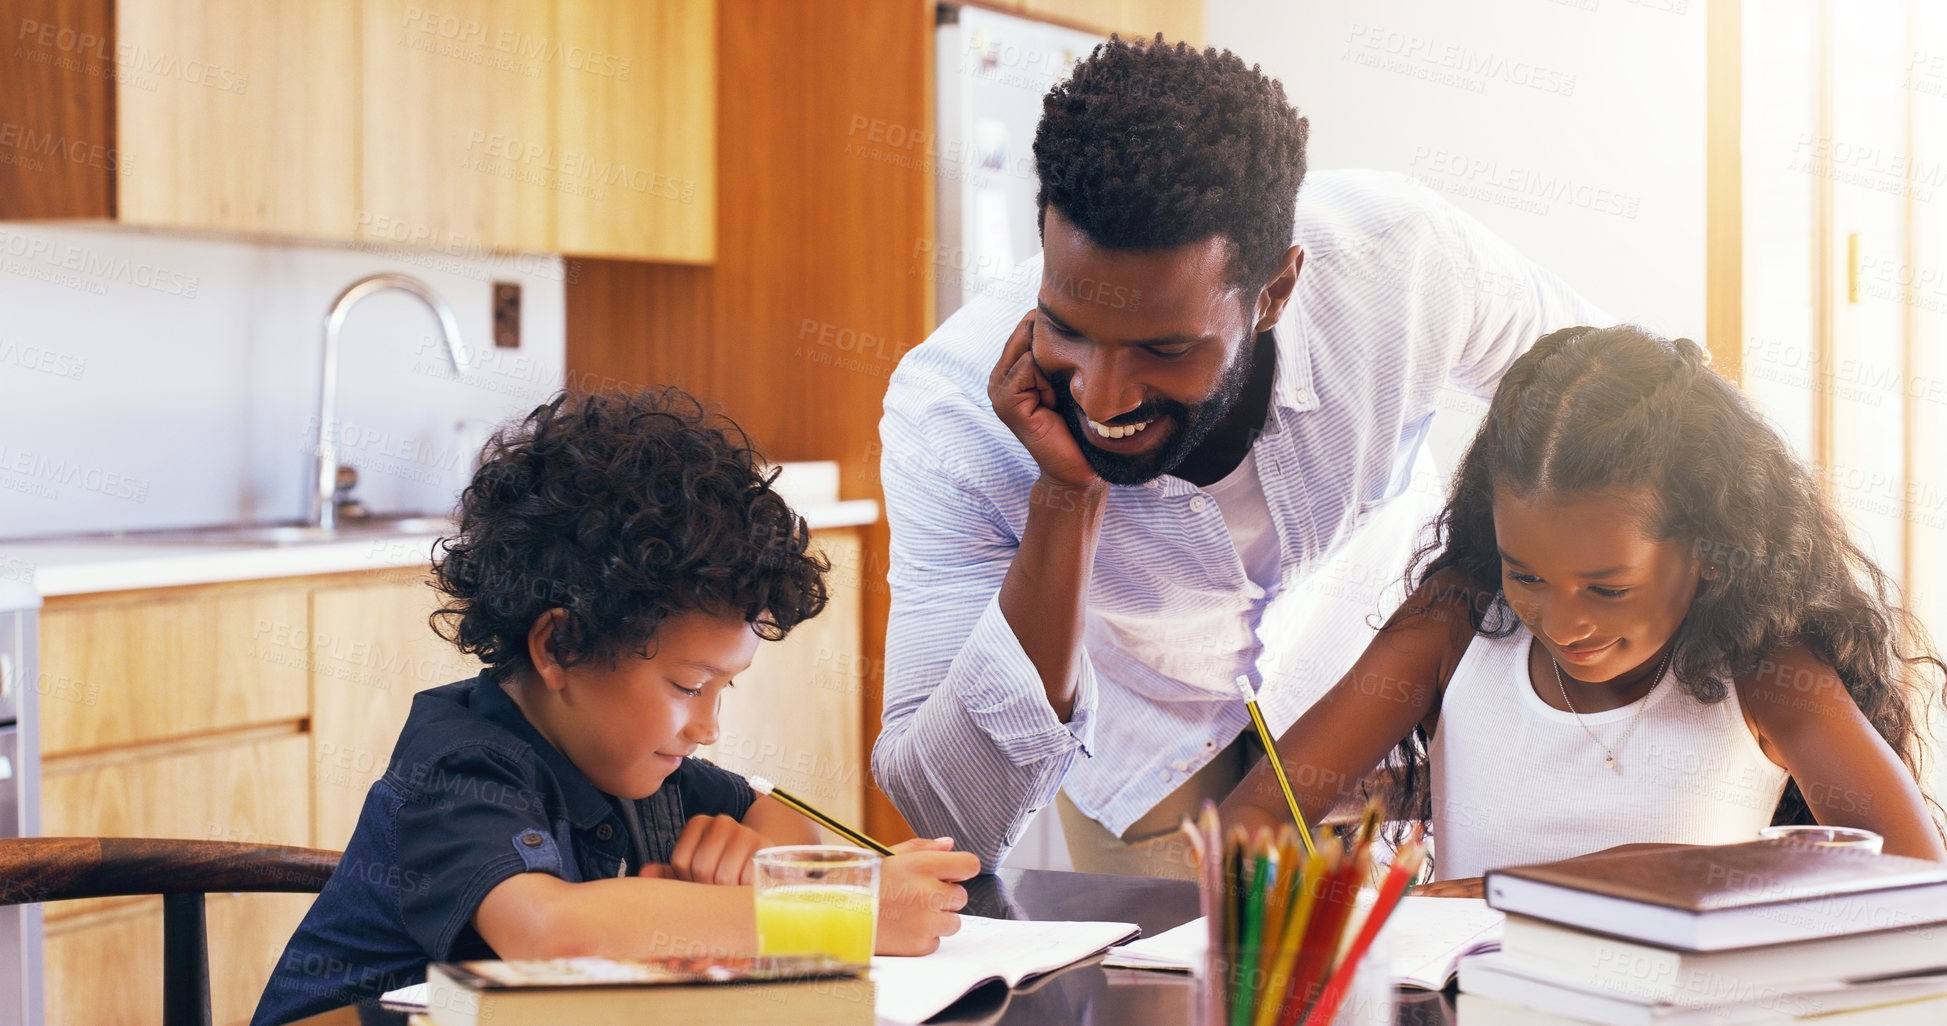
(1258, 868)
(1406, 865)
(1210, 895)
(1338, 893)
(1277, 905)
(1303, 894)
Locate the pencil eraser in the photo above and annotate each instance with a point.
(760, 785)
(1244, 688)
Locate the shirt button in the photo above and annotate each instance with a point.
(604, 832)
(1180, 765)
(1152, 483)
(1209, 744)
(1162, 774)
(531, 838)
(1199, 503)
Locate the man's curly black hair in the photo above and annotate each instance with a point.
(1151, 145)
(620, 509)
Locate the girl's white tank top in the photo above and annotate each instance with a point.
(1516, 780)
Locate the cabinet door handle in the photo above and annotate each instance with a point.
(6, 674)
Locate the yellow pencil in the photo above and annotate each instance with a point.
(763, 786)
(1277, 767)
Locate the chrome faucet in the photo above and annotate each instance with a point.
(324, 512)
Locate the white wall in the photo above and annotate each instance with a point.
(156, 381)
(1574, 129)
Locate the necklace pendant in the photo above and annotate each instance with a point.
(1610, 761)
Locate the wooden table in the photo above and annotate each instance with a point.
(1086, 993)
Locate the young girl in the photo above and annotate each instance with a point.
(1638, 621)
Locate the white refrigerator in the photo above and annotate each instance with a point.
(993, 70)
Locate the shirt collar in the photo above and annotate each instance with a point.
(588, 805)
(1291, 379)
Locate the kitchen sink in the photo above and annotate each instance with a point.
(293, 534)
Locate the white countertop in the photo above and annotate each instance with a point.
(31, 570)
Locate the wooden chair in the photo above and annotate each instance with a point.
(37, 869)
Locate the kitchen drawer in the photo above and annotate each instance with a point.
(168, 666)
(256, 791)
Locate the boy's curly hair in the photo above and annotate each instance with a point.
(1149, 144)
(620, 509)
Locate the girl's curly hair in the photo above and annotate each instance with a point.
(620, 509)
(1590, 409)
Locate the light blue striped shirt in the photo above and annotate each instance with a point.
(1399, 295)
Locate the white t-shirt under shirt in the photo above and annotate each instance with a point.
(1247, 516)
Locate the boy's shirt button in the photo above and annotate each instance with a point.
(531, 838)
(605, 831)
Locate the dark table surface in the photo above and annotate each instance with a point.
(1087, 993)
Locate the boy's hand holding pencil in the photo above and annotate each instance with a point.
(920, 896)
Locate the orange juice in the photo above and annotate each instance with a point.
(809, 918)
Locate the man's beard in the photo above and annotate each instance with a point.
(1192, 423)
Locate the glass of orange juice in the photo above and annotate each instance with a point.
(814, 898)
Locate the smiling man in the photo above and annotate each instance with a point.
(1189, 462)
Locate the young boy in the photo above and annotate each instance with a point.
(618, 559)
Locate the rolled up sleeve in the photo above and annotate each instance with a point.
(969, 746)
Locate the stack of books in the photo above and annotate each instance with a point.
(1759, 932)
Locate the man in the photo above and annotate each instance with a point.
(1178, 468)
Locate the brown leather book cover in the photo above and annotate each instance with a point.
(1707, 878)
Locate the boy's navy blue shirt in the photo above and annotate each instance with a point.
(473, 795)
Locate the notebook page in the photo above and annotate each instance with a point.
(1427, 937)
(912, 989)
(1175, 949)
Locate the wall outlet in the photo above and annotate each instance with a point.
(507, 315)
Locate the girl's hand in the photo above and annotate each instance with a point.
(1465, 887)
(920, 895)
(712, 850)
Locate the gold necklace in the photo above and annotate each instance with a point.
(1608, 753)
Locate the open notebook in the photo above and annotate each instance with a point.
(910, 990)
(1008, 950)
(1427, 938)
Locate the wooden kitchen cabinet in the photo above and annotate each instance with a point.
(636, 130)
(375, 651)
(172, 713)
(143, 667)
(467, 127)
(1133, 19)
(111, 972)
(250, 790)
(458, 124)
(239, 116)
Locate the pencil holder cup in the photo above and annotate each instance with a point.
(1246, 985)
